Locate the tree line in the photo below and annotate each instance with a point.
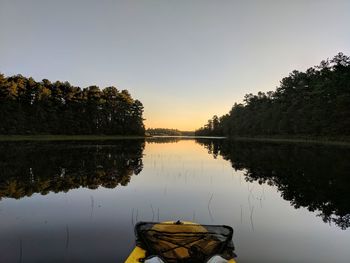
(168, 132)
(315, 102)
(30, 107)
(163, 131)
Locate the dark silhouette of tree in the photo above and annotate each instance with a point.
(214, 127)
(315, 102)
(30, 107)
(311, 176)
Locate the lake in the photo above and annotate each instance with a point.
(79, 201)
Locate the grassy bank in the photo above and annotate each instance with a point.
(66, 137)
(341, 141)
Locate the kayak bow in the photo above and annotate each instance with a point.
(171, 242)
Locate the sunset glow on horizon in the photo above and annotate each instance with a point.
(184, 60)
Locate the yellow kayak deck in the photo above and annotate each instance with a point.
(138, 254)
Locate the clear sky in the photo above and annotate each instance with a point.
(185, 60)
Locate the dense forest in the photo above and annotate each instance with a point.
(315, 102)
(30, 107)
(311, 176)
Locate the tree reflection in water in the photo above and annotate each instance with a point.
(28, 168)
(311, 176)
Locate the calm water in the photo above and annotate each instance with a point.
(78, 201)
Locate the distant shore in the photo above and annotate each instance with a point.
(343, 141)
(68, 137)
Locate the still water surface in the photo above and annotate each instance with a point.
(79, 201)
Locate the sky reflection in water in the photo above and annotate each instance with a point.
(79, 201)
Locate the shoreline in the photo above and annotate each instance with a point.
(13, 138)
(311, 140)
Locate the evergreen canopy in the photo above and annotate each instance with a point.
(315, 102)
(30, 107)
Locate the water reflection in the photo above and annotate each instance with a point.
(315, 177)
(28, 168)
(163, 139)
(44, 220)
(311, 176)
